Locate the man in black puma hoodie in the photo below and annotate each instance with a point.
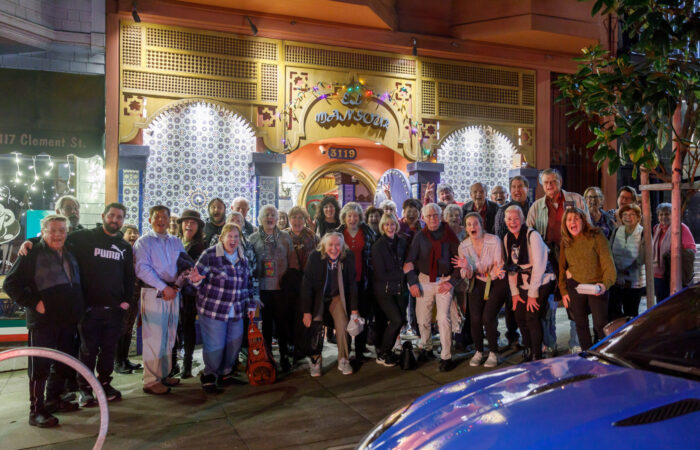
(106, 264)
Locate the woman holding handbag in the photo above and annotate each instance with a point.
(585, 259)
(224, 296)
(327, 288)
(388, 255)
(481, 260)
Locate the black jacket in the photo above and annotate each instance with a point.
(388, 262)
(211, 230)
(419, 255)
(41, 275)
(106, 266)
(314, 281)
(491, 210)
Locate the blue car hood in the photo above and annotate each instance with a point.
(571, 401)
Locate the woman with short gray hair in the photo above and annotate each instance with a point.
(274, 252)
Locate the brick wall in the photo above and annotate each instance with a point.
(60, 36)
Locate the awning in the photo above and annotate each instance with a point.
(51, 113)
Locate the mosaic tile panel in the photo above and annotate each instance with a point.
(130, 195)
(472, 154)
(197, 151)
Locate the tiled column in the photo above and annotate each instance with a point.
(420, 173)
(265, 172)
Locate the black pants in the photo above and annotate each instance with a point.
(580, 305)
(100, 329)
(124, 342)
(484, 314)
(275, 314)
(44, 373)
(188, 316)
(623, 301)
(392, 307)
(364, 307)
(511, 324)
(530, 323)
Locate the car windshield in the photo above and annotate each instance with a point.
(665, 340)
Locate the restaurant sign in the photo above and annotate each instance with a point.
(352, 116)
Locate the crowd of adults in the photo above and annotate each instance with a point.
(365, 273)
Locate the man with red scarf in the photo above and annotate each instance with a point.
(431, 279)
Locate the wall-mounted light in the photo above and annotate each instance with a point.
(135, 13)
(322, 149)
(253, 28)
(415, 47)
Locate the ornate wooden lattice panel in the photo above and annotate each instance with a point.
(350, 60)
(476, 92)
(174, 62)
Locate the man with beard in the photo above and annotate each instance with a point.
(68, 206)
(216, 221)
(106, 266)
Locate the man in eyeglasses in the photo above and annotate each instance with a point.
(545, 216)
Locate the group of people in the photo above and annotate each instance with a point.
(458, 265)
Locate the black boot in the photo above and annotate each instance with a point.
(527, 354)
(122, 368)
(187, 367)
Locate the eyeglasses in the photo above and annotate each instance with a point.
(592, 197)
(430, 216)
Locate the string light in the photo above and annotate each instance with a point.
(36, 177)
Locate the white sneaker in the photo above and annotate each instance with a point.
(345, 367)
(575, 350)
(315, 368)
(476, 359)
(492, 360)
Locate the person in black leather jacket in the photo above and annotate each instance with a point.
(47, 283)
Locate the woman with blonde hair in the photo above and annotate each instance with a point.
(389, 282)
(585, 259)
(328, 287)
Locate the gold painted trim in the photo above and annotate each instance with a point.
(151, 117)
(358, 172)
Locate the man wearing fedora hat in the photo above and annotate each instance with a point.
(190, 230)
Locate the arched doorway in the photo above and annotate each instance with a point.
(336, 166)
(332, 179)
(475, 153)
(198, 150)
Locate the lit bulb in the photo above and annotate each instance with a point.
(47, 174)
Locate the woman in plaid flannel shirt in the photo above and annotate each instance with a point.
(224, 296)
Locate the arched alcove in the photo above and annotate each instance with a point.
(198, 151)
(475, 153)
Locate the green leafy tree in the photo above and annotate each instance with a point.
(631, 98)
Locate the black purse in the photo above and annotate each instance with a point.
(310, 340)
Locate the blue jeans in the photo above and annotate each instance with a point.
(573, 335)
(549, 324)
(221, 343)
(662, 289)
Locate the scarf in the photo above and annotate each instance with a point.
(518, 247)
(448, 236)
(658, 251)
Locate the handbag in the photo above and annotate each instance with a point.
(310, 340)
(260, 367)
(407, 360)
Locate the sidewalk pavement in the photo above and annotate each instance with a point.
(330, 412)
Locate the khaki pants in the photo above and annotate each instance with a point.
(424, 307)
(159, 329)
(340, 320)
